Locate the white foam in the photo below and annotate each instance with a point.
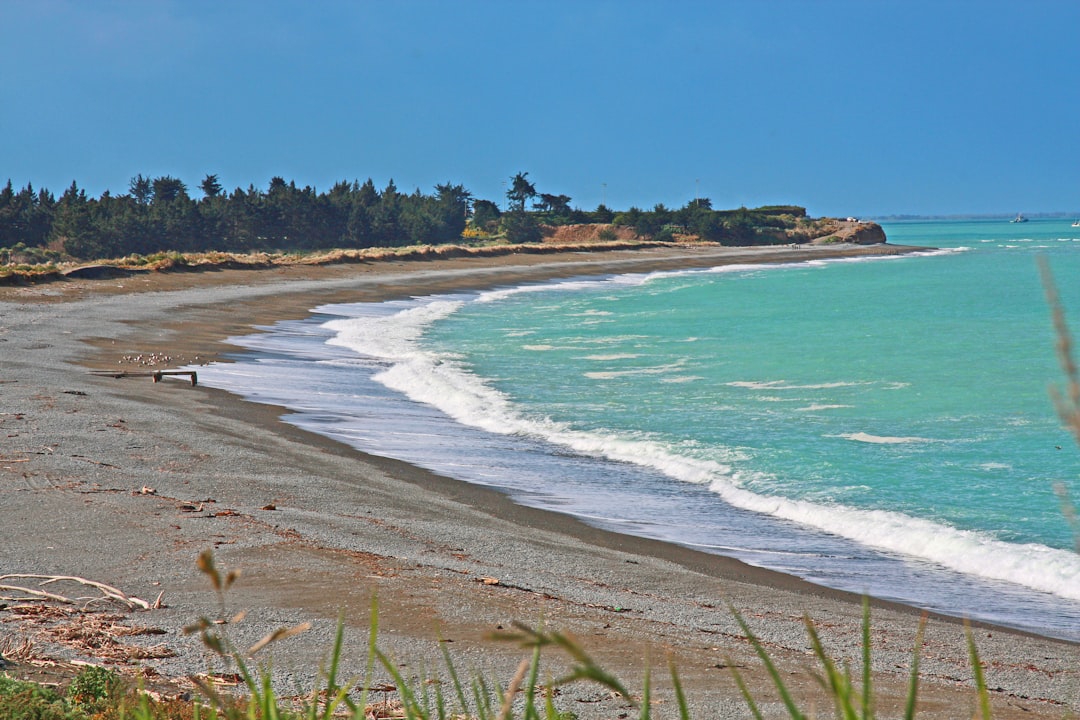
(1031, 565)
(657, 370)
(441, 381)
(784, 385)
(756, 384)
(882, 439)
(613, 356)
(637, 279)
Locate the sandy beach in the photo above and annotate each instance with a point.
(125, 481)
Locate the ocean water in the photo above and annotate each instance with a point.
(878, 425)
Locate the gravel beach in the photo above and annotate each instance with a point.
(125, 481)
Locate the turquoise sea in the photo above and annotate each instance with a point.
(878, 425)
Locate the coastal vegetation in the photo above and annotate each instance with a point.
(159, 216)
(102, 694)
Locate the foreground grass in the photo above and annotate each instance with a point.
(100, 694)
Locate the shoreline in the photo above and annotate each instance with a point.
(422, 542)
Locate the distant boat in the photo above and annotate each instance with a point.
(1076, 224)
(1019, 218)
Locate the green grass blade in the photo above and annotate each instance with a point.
(680, 696)
(586, 668)
(483, 699)
(335, 662)
(531, 713)
(267, 701)
(440, 702)
(913, 684)
(747, 695)
(425, 695)
(409, 701)
(646, 696)
(785, 695)
(458, 689)
(838, 684)
(369, 671)
(867, 669)
(550, 712)
(980, 680)
(335, 694)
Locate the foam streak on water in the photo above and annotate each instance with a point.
(700, 408)
(440, 380)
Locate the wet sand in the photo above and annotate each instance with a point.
(125, 481)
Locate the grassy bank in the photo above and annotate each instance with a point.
(195, 262)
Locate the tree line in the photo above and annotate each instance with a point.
(158, 214)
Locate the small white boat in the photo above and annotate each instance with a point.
(1076, 224)
(1019, 218)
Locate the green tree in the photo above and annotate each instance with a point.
(362, 203)
(173, 219)
(628, 218)
(453, 208)
(167, 189)
(210, 186)
(521, 227)
(740, 228)
(212, 211)
(555, 207)
(386, 218)
(25, 216)
(710, 226)
(485, 214)
(141, 189)
(602, 214)
(72, 227)
(520, 192)
(241, 219)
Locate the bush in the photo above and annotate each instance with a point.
(521, 228)
(94, 685)
(664, 234)
(28, 701)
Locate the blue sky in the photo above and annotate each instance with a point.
(865, 107)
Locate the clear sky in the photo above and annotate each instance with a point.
(861, 107)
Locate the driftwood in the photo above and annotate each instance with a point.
(107, 591)
(157, 375)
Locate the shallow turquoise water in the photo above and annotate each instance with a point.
(877, 425)
(916, 385)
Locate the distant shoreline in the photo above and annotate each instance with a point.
(988, 216)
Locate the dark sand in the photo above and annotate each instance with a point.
(125, 481)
